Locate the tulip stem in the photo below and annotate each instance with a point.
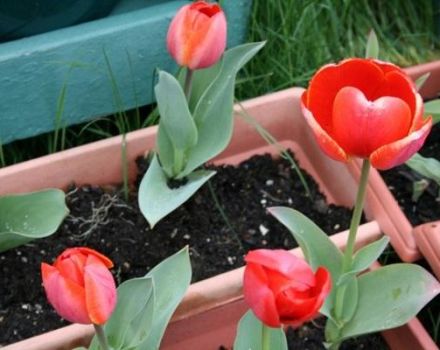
(188, 83)
(356, 217)
(101, 337)
(265, 338)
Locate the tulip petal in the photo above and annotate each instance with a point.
(64, 295)
(81, 253)
(361, 126)
(326, 83)
(209, 49)
(283, 262)
(295, 309)
(400, 151)
(258, 295)
(327, 144)
(71, 267)
(323, 285)
(100, 290)
(386, 67)
(418, 120)
(174, 42)
(306, 309)
(398, 84)
(279, 282)
(88, 251)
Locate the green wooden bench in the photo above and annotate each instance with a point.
(34, 70)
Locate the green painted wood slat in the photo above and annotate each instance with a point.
(33, 70)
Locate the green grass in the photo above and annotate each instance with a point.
(301, 36)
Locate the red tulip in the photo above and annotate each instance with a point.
(366, 108)
(281, 288)
(80, 287)
(197, 35)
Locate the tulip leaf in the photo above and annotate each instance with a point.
(171, 280)
(365, 256)
(389, 297)
(213, 113)
(250, 334)
(166, 152)
(422, 80)
(177, 130)
(427, 167)
(372, 49)
(433, 108)
(317, 247)
(146, 304)
(175, 116)
(24, 217)
(202, 79)
(350, 297)
(131, 321)
(157, 199)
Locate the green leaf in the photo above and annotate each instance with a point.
(363, 259)
(175, 116)
(427, 167)
(131, 321)
(213, 113)
(171, 280)
(317, 247)
(349, 296)
(422, 80)
(202, 79)
(389, 297)
(250, 334)
(418, 188)
(372, 49)
(24, 217)
(166, 151)
(433, 108)
(156, 199)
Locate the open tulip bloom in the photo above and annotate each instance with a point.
(358, 108)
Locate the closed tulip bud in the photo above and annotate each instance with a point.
(197, 35)
(80, 286)
(281, 288)
(366, 108)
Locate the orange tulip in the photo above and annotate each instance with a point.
(80, 287)
(197, 35)
(366, 108)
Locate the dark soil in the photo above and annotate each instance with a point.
(311, 337)
(101, 219)
(400, 179)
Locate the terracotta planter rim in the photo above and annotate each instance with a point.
(207, 294)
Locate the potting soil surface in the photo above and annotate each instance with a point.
(400, 182)
(220, 223)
